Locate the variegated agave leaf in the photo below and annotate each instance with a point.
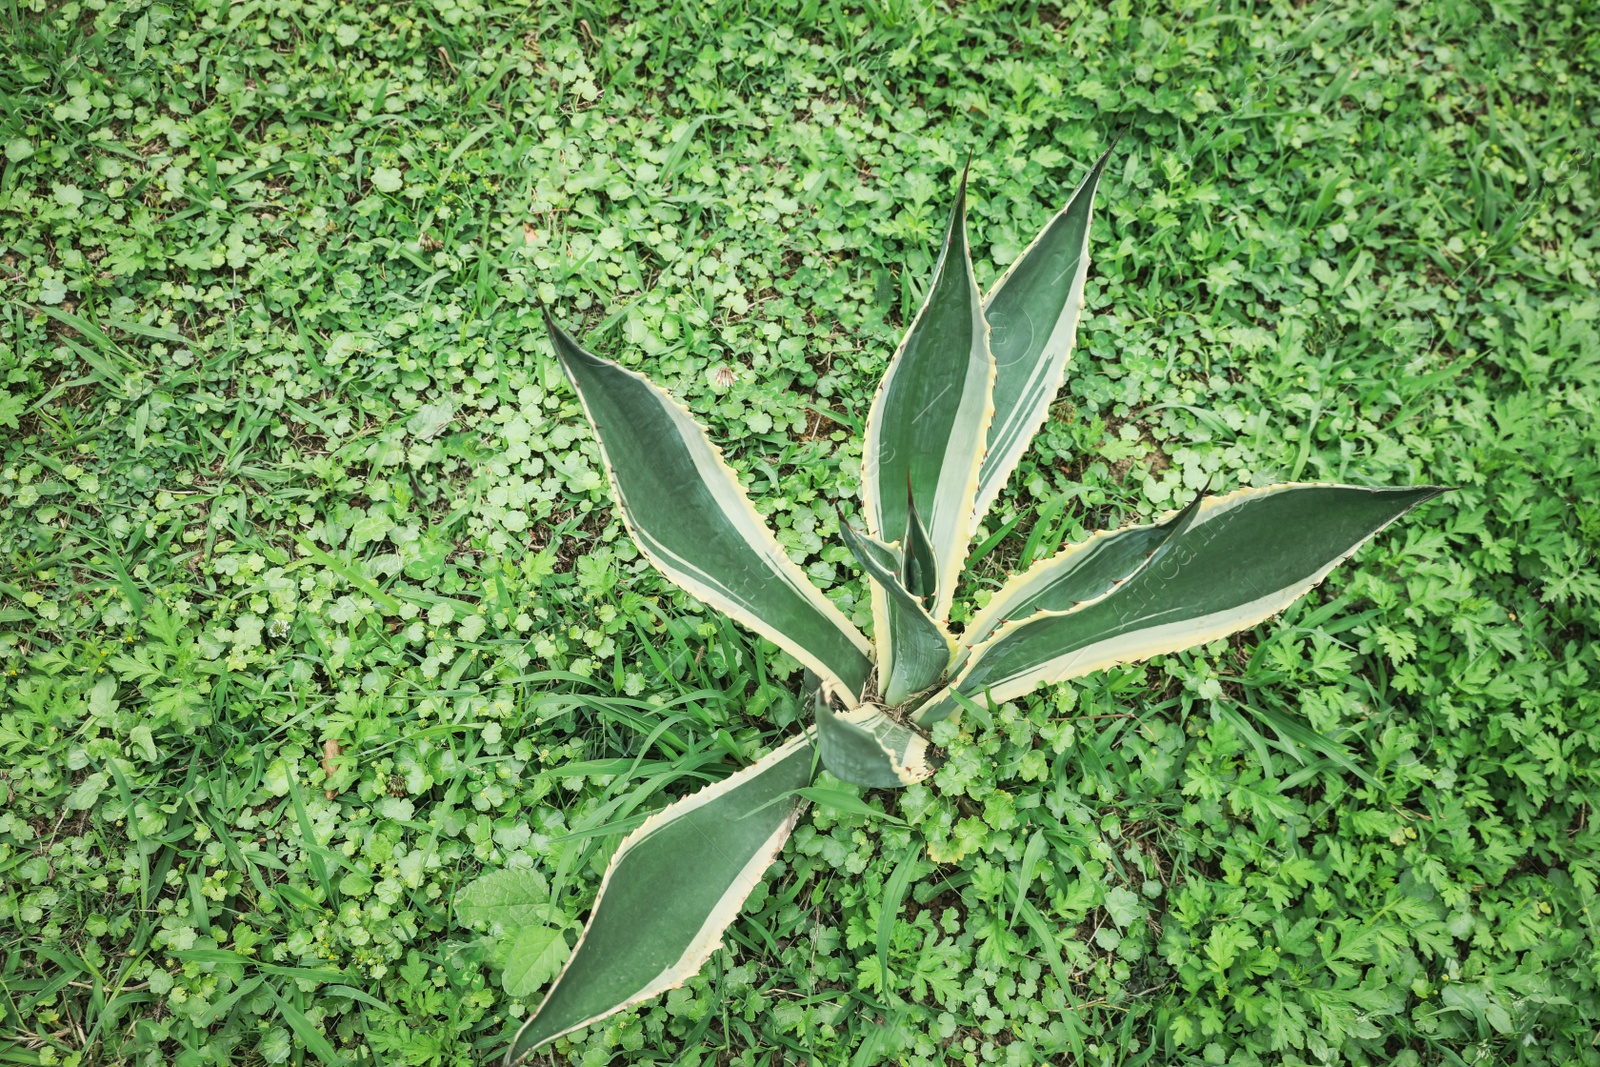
(1033, 313)
(930, 418)
(920, 570)
(690, 517)
(1075, 575)
(1242, 559)
(670, 891)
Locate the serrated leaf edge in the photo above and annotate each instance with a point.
(1018, 587)
(949, 570)
(709, 937)
(910, 766)
(1051, 672)
(1055, 368)
(706, 592)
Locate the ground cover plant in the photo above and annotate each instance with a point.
(294, 500)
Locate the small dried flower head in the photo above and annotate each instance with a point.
(722, 376)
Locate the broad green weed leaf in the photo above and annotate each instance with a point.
(536, 956)
(512, 898)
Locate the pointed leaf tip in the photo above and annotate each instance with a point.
(1033, 313)
(920, 571)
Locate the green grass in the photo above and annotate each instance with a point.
(286, 460)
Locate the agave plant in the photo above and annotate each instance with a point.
(965, 392)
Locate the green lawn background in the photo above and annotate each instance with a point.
(286, 460)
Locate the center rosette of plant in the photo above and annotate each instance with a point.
(965, 392)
